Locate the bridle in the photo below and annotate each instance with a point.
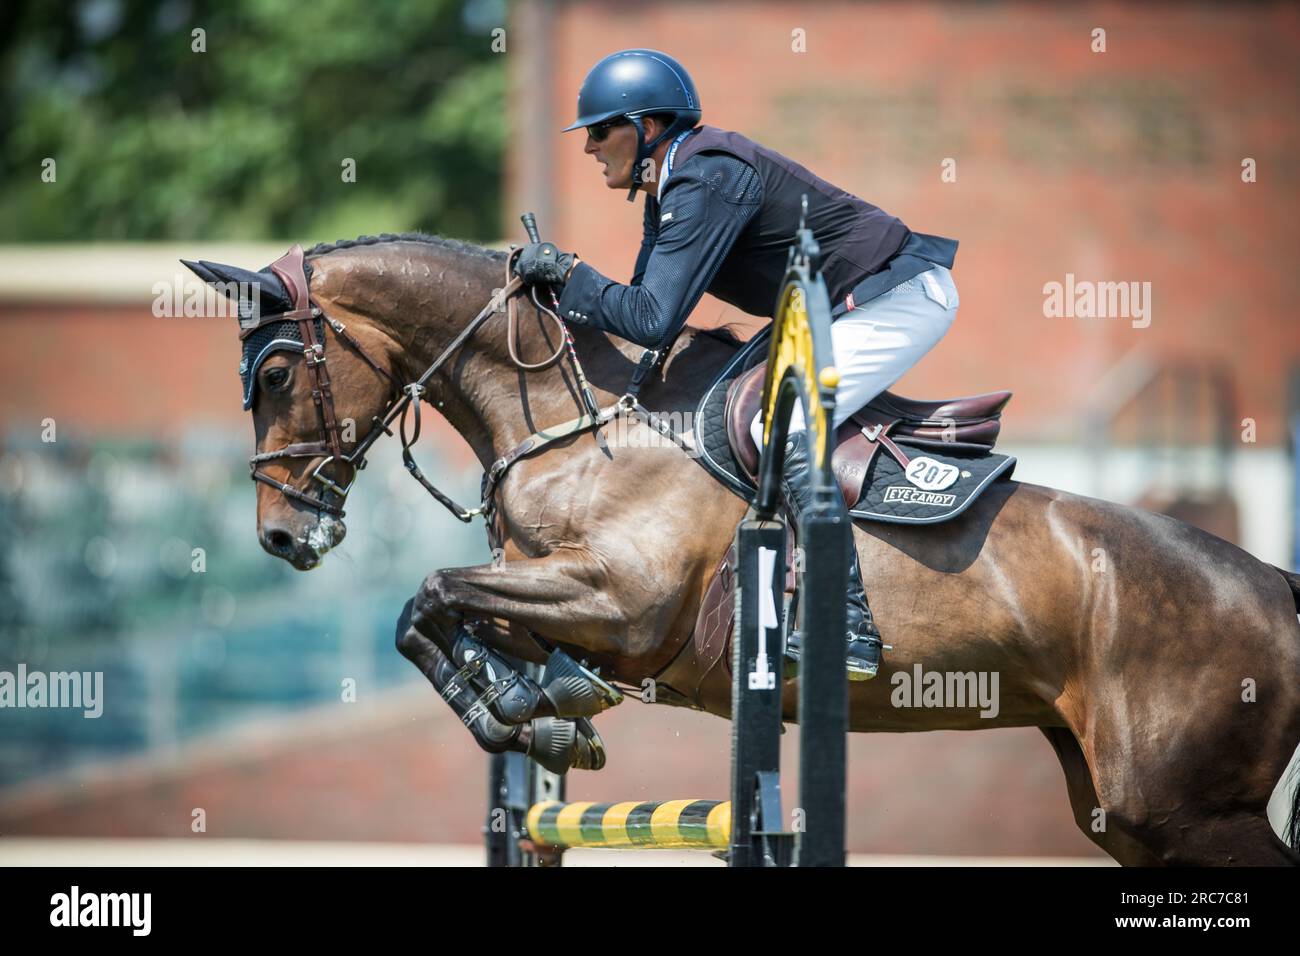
(291, 271)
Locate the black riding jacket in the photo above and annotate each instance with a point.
(724, 224)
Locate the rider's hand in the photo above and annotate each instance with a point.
(540, 263)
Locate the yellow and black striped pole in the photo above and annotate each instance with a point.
(656, 825)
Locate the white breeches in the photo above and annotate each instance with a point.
(881, 339)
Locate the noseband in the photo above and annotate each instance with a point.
(290, 270)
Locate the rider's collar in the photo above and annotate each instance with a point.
(668, 162)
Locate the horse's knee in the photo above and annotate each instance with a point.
(434, 596)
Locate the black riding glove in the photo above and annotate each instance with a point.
(540, 263)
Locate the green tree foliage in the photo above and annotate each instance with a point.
(247, 140)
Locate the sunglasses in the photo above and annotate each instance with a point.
(600, 131)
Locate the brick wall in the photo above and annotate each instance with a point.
(1122, 166)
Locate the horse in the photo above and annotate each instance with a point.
(1161, 662)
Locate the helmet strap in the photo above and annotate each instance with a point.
(643, 150)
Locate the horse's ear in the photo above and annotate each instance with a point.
(256, 293)
(201, 271)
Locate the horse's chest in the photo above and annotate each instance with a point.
(540, 513)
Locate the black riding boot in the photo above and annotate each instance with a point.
(863, 637)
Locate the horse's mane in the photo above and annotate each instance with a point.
(452, 245)
(721, 333)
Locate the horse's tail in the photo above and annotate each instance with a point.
(1293, 824)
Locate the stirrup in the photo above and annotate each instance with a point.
(861, 669)
(858, 669)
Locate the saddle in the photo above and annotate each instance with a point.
(964, 426)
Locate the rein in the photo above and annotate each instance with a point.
(290, 270)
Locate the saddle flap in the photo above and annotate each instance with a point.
(743, 398)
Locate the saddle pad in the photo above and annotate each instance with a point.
(888, 494)
(715, 454)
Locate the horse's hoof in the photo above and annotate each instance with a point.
(552, 743)
(559, 745)
(593, 748)
(574, 690)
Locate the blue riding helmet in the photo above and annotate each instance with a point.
(633, 84)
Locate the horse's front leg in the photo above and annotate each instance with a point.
(557, 744)
(555, 595)
(561, 595)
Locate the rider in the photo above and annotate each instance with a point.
(720, 213)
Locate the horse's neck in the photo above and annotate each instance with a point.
(480, 390)
(491, 402)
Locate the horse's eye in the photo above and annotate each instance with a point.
(276, 377)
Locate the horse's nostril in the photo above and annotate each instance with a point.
(281, 542)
